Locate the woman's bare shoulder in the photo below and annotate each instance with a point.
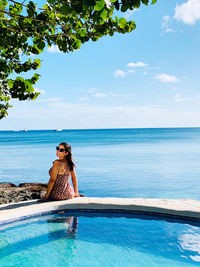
(59, 162)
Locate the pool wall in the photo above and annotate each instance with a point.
(184, 209)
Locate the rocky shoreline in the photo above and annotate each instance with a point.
(9, 192)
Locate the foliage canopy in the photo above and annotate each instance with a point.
(26, 29)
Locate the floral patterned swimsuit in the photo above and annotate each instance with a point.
(61, 189)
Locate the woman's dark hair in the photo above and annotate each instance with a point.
(69, 155)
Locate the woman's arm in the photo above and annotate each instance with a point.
(75, 183)
(52, 179)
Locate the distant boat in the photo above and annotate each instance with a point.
(23, 130)
(58, 130)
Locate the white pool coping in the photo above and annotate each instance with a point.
(178, 208)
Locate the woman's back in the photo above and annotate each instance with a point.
(58, 186)
(61, 189)
(61, 167)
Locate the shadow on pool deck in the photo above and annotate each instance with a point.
(20, 204)
(186, 209)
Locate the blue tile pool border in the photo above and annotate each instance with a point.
(111, 211)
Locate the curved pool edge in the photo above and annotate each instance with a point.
(184, 209)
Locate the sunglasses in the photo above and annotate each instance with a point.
(60, 149)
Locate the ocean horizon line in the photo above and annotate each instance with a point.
(86, 129)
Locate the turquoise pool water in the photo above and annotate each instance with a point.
(89, 239)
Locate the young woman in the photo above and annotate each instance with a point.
(59, 187)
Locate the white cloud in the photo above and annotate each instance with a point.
(99, 95)
(119, 95)
(92, 90)
(153, 68)
(131, 71)
(120, 73)
(83, 99)
(145, 73)
(169, 30)
(138, 64)
(188, 12)
(165, 22)
(165, 78)
(163, 101)
(33, 115)
(179, 99)
(53, 49)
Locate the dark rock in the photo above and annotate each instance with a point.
(25, 191)
(32, 184)
(7, 185)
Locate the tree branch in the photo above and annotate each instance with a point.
(5, 42)
(20, 16)
(22, 4)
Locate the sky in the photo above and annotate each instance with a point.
(145, 79)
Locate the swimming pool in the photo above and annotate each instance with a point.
(99, 239)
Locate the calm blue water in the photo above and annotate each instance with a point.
(85, 241)
(157, 163)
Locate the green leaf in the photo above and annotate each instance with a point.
(89, 2)
(51, 1)
(19, 7)
(94, 39)
(10, 83)
(45, 6)
(35, 50)
(36, 94)
(99, 5)
(65, 9)
(41, 45)
(52, 31)
(78, 44)
(122, 23)
(38, 62)
(132, 25)
(35, 78)
(136, 3)
(3, 4)
(124, 8)
(153, 2)
(116, 4)
(103, 14)
(145, 2)
(19, 79)
(28, 86)
(82, 32)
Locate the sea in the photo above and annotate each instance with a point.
(128, 163)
